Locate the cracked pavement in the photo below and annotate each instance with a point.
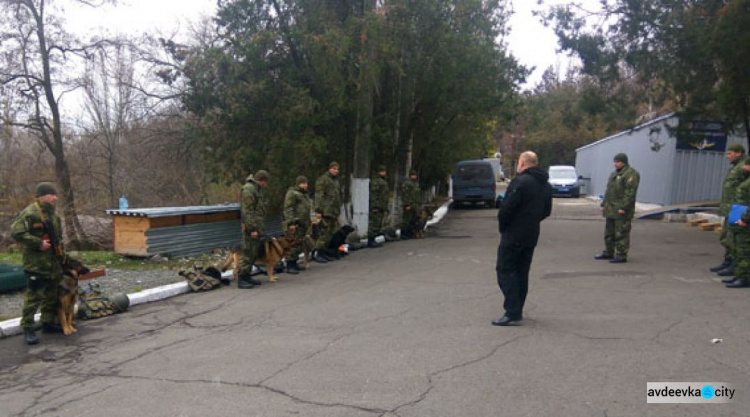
(404, 331)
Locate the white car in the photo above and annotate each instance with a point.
(565, 180)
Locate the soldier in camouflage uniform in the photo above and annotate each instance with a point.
(619, 207)
(42, 261)
(328, 201)
(378, 206)
(296, 220)
(741, 234)
(735, 176)
(253, 208)
(411, 199)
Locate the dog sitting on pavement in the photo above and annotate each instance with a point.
(68, 294)
(338, 239)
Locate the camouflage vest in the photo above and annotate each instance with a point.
(93, 304)
(200, 282)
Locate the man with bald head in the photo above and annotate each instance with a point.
(528, 201)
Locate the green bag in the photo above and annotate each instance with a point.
(93, 304)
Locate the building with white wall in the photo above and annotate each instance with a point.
(675, 168)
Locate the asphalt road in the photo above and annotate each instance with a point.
(405, 331)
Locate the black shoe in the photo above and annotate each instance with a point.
(296, 265)
(504, 321)
(30, 337)
(51, 328)
(318, 257)
(726, 272)
(290, 268)
(244, 284)
(728, 280)
(254, 281)
(603, 256)
(723, 265)
(738, 283)
(618, 261)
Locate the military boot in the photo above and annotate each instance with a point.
(299, 267)
(371, 243)
(30, 337)
(290, 268)
(319, 257)
(723, 265)
(244, 281)
(726, 272)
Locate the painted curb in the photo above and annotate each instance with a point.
(12, 327)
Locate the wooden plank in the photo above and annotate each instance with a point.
(709, 226)
(718, 230)
(696, 222)
(131, 224)
(93, 274)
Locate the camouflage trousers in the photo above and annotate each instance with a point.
(727, 240)
(332, 226)
(41, 294)
(409, 221)
(301, 245)
(250, 248)
(742, 253)
(375, 223)
(617, 237)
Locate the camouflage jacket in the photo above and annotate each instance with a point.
(742, 196)
(328, 195)
(411, 194)
(378, 193)
(296, 207)
(622, 188)
(734, 178)
(27, 229)
(253, 207)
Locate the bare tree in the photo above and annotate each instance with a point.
(38, 55)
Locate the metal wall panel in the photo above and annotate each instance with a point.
(668, 176)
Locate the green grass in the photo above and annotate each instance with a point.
(111, 260)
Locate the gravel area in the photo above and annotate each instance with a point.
(116, 281)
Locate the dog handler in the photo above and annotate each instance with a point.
(297, 221)
(42, 259)
(253, 211)
(528, 201)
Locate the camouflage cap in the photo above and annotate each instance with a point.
(301, 180)
(44, 188)
(261, 175)
(736, 147)
(381, 168)
(412, 172)
(333, 164)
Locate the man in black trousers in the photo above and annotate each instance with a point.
(528, 201)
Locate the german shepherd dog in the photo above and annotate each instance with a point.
(274, 250)
(424, 215)
(68, 294)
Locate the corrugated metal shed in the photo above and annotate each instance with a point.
(669, 175)
(180, 231)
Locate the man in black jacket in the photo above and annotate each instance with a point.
(528, 201)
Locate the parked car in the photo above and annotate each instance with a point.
(477, 181)
(565, 180)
